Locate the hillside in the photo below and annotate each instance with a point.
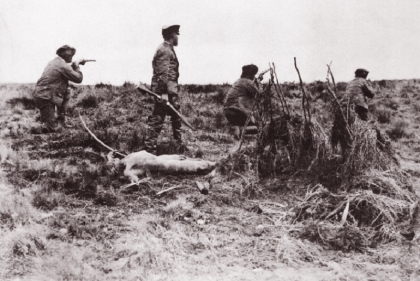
(65, 214)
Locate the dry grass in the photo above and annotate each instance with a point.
(285, 228)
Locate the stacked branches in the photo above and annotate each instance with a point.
(301, 143)
(371, 198)
(375, 198)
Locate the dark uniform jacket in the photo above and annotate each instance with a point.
(357, 90)
(241, 95)
(54, 80)
(165, 70)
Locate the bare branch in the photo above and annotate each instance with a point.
(306, 108)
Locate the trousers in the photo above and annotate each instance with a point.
(156, 120)
(47, 109)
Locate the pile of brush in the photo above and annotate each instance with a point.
(297, 144)
(377, 201)
(374, 199)
(291, 142)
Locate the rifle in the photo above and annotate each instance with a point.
(142, 89)
(260, 77)
(83, 60)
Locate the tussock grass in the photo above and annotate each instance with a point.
(384, 115)
(398, 129)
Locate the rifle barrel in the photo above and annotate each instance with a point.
(142, 88)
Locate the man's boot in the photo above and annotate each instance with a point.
(63, 123)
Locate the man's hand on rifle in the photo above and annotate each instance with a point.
(165, 97)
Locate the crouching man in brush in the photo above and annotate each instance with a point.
(357, 92)
(240, 101)
(354, 105)
(52, 88)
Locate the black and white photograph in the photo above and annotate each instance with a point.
(174, 140)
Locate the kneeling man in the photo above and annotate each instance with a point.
(240, 100)
(52, 88)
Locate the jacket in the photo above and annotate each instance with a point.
(165, 70)
(357, 90)
(241, 95)
(55, 79)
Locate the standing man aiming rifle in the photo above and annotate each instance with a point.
(164, 83)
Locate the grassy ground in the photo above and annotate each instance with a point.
(65, 216)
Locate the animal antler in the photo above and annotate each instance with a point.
(98, 140)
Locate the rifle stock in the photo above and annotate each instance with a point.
(142, 88)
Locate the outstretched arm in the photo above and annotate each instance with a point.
(72, 72)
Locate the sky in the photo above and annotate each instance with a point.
(216, 39)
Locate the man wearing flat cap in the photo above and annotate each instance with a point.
(52, 88)
(165, 83)
(357, 92)
(240, 100)
(354, 105)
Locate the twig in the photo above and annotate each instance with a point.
(243, 177)
(304, 97)
(340, 111)
(168, 189)
(136, 183)
(346, 211)
(268, 203)
(332, 76)
(280, 92)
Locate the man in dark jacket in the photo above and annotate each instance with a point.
(165, 83)
(52, 88)
(357, 91)
(240, 101)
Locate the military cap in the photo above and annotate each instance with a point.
(168, 29)
(249, 70)
(65, 48)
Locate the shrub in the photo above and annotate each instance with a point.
(384, 115)
(27, 103)
(220, 120)
(220, 96)
(128, 85)
(398, 130)
(46, 200)
(89, 101)
(393, 104)
(102, 86)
